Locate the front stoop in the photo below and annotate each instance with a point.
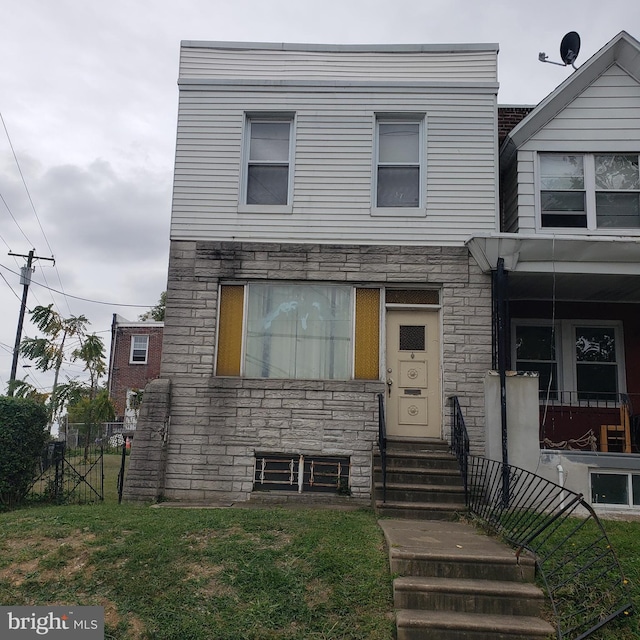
(455, 583)
(423, 481)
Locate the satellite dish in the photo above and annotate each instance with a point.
(570, 47)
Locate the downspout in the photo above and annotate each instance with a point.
(500, 323)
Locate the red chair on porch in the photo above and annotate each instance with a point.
(618, 435)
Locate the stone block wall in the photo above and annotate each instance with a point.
(218, 423)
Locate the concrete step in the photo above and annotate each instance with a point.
(461, 565)
(419, 510)
(419, 476)
(417, 444)
(403, 492)
(445, 625)
(419, 460)
(468, 596)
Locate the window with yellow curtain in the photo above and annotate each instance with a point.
(298, 331)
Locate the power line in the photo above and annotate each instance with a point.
(112, 304)
(35, 213)
(14, 218)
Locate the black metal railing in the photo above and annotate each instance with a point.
(578, 567)
(382, 444)
(459, 439)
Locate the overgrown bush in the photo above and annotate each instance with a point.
(23, 435)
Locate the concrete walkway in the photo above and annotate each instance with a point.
(457, 540)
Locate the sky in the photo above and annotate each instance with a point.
(88, 98)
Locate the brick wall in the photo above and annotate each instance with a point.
(125, 375)
(508, 118)
(218, 423)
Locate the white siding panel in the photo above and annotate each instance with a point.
(605, 117)
(238, 64)
(333, 164)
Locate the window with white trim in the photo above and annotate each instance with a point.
(139, 350)
(583, 357)
(589, 191)
(268, 160)
(620, 489)
(399, 159)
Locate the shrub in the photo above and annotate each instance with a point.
(23, 435)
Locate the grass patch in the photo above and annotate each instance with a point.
(201, 574)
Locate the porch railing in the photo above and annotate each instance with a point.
(573, 419)
(574, 557)
(382, 444)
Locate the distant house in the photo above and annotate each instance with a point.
(323, 195)
(136, 350)
(570, 247)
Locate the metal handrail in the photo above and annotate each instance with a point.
(382, 444)
(579, 568)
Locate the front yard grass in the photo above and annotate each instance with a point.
(183, 574)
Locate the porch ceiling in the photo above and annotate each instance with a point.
(579, 268)
(572, 287)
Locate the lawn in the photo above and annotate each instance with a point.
(202, 574)
(222, 574)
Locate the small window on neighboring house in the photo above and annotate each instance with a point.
(398, 171)
(139, 349)
(589, 191)
(267, 179)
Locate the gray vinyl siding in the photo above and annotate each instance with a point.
(605, 117)
(333, 163)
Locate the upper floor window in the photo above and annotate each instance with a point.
(268, 160)
(590, 191)
(139, 349)
(398, 171)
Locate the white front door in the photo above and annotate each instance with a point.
(413, 374)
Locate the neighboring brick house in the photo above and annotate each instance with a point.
(136, 351)
(323, 196)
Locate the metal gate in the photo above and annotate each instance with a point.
(69, 476)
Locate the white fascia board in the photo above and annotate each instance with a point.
(342, 48)
(548, 254)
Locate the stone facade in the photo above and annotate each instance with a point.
(217, 424)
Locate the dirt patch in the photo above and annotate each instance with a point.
(48, 559)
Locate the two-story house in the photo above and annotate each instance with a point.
(323, 196)
(134, 360)
(570, 245)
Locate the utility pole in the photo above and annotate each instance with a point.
(25, 281)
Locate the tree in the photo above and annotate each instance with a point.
(91, 408)
(157, 312)
(48, 352)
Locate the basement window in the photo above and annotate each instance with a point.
(615, 489)
(303, 474)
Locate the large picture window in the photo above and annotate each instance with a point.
(298, 331)
(589, 191)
